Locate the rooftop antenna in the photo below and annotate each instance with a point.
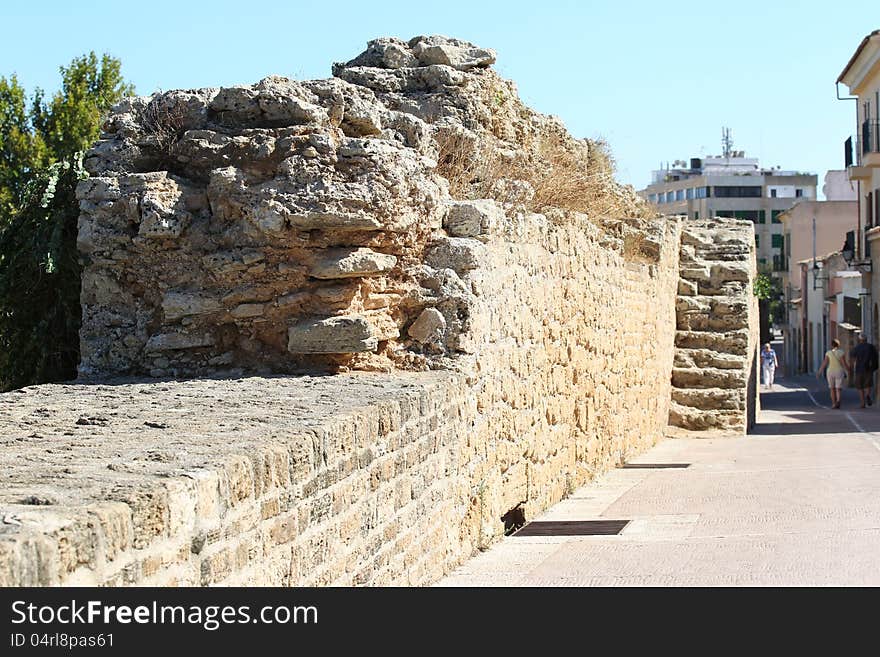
(726, 143)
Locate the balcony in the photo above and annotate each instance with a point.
(855, 170)
(869, 142)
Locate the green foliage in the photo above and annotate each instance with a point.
(40, 281)
(22, 150)
(71, 122)
(41, 146)
(763, 286)
(34, 135)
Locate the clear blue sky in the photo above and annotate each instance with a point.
(657, 80)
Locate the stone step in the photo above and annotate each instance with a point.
(708, 377)
(727, 342)
(710, 399)
(699, 420)
(690, 358)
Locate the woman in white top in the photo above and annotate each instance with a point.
(835, 367)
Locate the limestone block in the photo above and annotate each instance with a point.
(450, 52)
(730, 271)
(429, 326)
(158, 223)
(707, 358)
(247, 310)
(460, 254)
(177, 305)
(709, 399)
(730, 342)
(686, 288)
(351, 263)
(385, 52)
(274, 101)
(708, 377)
(332, 335)
(174, 341)
(473, 218)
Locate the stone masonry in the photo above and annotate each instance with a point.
(714, 378)
(487, 358)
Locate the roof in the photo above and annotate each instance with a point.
(856, 54)
(818, 258)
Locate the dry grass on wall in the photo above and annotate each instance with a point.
(566, 174)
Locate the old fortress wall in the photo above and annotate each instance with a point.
(471, 357)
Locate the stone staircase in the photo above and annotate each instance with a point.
(713, 378)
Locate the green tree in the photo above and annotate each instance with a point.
(41, 150)
(71, 121)
(22, 150)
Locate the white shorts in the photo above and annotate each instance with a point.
(836, 380)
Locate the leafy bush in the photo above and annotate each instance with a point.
(40, 281)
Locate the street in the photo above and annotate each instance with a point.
(796, 502)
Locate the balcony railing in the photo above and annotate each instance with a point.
(870, 137)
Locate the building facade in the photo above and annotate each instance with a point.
(734, 186)
(862, 158)
(831, 304)
(812, 229)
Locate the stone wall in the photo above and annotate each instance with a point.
(293, 226)
(241, 234)
(715, 375)
(356, 478)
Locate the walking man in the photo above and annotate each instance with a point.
(864, 362)
(768, 365)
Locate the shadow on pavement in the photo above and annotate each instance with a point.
(791, 409)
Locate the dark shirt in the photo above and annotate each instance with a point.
(864, 357)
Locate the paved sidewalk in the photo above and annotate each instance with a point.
(795, 503)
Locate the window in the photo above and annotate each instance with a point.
(777, 241)
(679, 195)
(774, 216)
(757, 241)
(696, 214)
(762, 217)
(735, 191)
(876, 205)
(689, 193)
(701, 192)
(773, 193)
(670, 197)
(869, 210)
(748, 215)
(652, 198)
(798, 193)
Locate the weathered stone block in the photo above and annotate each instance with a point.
(460, 254)
(332, 335)
(173, 341)
(177, 305)
(473, 218)
(429, 326)
(351, 263)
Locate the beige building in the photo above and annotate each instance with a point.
(830, 305)
(812, 228)
(862, 76)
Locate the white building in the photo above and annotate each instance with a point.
(733, 186)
